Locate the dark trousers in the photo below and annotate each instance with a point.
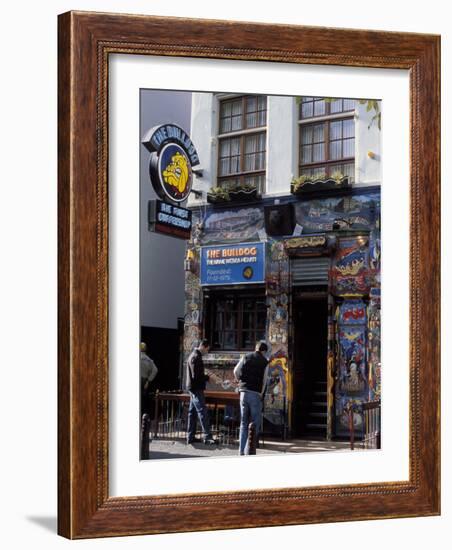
(198, 409)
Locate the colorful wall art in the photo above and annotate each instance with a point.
(347, 230)
(352, 371)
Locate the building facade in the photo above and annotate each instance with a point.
(285, 247)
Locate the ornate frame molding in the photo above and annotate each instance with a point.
(85, 42)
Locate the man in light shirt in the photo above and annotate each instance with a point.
(251, 373)
(148, 371)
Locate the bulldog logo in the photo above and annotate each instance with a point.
(177, 173)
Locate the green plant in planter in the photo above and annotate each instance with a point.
(219, 194)
(297, 183)
(320, 176)
(246, 187)
(337, 176)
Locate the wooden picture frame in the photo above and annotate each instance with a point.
(86, 40)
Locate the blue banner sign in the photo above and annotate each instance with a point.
(242, 263)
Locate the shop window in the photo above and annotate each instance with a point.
(242, 150)
(236, 320)
(327, 137)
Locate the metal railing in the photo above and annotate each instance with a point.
(371, 422)
(171, 414)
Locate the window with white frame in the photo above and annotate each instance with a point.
(242, 141)
(327, 137)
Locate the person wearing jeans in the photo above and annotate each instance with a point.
(197, 409)
(196, 384)
(251, 373)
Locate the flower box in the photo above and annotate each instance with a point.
(320, 184)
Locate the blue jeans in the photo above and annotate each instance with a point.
(198, 409)
(250, 411)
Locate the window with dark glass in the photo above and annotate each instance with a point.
(242, 151)
(236, 320)
(327, 145)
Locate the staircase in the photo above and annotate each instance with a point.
(317, 410)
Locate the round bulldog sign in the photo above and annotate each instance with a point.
(172, 157)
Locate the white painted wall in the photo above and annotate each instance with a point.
(203, 131)
(367, 146)
(282, 143)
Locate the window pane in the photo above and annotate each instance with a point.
(349, 104)
(307, 110)
(248, 339)
(251, 104)
(226, 109)
(235, 146)
(256, 107)
(319, 133)
(224, 167)
(230, 340)
(251, 120)
(348, 170)
(318, 152)
(306, 134)
(319, 107)
(229, 156)
(225, 125)
(237, 107)
(335, 150)
(336, 106)
(348, 128)
(251, 144)
(236, 123)
(235, 165)
(306, 154)
(230, 116)
(230, 321)
(248, 321)
(225, 148)
(318, 172)
(260, 324)
(336, 129)
(349, 148)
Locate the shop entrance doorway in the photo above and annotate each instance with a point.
(310, 318)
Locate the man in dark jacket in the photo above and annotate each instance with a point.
(196, 384)
(251, 373)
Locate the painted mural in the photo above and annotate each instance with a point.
(374, 345)
(351, 383)
(355, 212)
(351, 267)
(354, 369)
(276, 397)
(277, 289)
(193, 302)
(233, 226)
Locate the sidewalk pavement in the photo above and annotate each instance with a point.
(177, 448)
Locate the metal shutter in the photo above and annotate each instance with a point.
(310, 271)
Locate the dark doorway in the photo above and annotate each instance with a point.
(163, 347)
(310, 317)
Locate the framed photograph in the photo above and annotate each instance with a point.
(248, 275)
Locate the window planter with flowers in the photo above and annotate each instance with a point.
(321, 182)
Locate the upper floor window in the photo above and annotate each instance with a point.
(327, 136)
(242, 141)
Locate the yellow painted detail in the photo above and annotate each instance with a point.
(177, 173)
